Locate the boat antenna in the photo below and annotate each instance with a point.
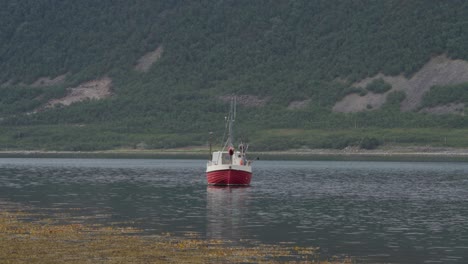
(211, 142)
(231, 119)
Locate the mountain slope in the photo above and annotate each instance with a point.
(281, 53)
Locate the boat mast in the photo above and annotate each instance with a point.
(231, 119)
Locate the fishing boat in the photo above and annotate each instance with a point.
(229, 166)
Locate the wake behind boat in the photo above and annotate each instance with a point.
(229, 166)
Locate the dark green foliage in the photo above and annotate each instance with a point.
(442, 95)
(369, 143)
(378, 86)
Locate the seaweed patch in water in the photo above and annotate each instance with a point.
(48, 241)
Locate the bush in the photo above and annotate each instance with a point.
(369, 143)
(378, 86)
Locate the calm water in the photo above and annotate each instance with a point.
(378, 212)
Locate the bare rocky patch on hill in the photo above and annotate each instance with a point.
(92, 90)
(145, 62)
(440, 70)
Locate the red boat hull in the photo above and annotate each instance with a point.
(228, 177)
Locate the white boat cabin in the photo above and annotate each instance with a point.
(224, 158)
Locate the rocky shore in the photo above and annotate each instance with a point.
(349, 153)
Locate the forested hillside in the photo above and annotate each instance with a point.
(289, 62)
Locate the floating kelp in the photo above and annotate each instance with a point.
(47, 241)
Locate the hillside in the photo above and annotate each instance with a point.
(119, 74)
(439, 70)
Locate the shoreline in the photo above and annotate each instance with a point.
(391, 153)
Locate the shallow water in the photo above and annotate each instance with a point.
(378, 212)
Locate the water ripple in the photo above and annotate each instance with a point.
(388, 212)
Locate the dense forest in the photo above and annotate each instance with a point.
(277, 52)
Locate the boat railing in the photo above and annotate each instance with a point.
(210, 163)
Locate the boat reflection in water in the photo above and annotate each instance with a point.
(227, 211)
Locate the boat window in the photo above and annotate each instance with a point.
(226, 158)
